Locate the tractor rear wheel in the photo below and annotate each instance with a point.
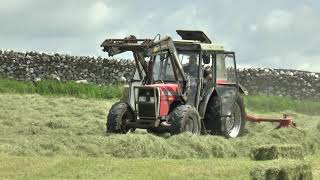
(230, 127)
(185, 118)
(119, 116)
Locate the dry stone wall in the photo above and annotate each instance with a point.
(34, 65)
(281, 82)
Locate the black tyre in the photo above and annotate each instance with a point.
(156, 131)
(119, 116)
(229, 127)
(185, 118)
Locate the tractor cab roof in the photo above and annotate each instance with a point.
(196, 40)
(196, 45)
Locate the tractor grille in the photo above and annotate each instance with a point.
(147, 102)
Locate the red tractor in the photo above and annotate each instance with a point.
(188, 85)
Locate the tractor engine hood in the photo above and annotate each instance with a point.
(168, 94)
(167, 91)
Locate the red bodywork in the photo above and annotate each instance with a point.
(168, 94)
(286, 121)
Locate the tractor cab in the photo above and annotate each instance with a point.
(186, 85)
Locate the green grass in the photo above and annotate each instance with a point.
(63, 167)
(262, 104)
(276, 104)
(56, 88)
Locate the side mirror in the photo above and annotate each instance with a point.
(206, 58)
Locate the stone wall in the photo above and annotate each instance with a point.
(281, 82)
(33, 65)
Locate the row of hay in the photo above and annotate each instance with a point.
(148, 145)
(282, 170)
(269, 152)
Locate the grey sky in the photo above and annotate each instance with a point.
(278, 34)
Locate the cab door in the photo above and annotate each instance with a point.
(226, 81)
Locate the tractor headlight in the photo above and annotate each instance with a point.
(142, 98)
(146, 99)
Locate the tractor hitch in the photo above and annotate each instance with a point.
(284, 122)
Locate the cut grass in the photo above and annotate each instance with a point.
(37, 125)
(63, 138)
(282, 169)
(270, 152)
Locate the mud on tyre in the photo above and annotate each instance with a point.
(185, 118)
(119, 116)
(229, 127)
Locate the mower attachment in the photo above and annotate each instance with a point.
(284, 122)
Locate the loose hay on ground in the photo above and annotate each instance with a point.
(269, 152)
(282, 169)
(61, 126)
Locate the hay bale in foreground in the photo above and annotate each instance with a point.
(282, 169)
(270, 152)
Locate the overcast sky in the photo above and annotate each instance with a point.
(273, 33)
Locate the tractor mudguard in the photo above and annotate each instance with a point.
(206, 97)
(228, 96)
(129, 105)
(227, 93)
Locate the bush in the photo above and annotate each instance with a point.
(269, 152)
(282, 169)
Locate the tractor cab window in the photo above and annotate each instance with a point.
(136, 76)
(162, 68)
(225, 68)
(189, 62)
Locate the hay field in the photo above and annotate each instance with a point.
(63, 137)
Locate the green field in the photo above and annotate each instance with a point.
(62, 137)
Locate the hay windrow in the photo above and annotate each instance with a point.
(269, 152)
(282, 169)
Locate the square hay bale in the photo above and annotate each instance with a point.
(270, 152)
(282, 169)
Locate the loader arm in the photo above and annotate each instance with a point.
(139, 48)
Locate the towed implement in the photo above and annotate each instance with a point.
(180, 85)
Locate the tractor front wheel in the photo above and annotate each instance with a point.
(119, 116)
(185, 118)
